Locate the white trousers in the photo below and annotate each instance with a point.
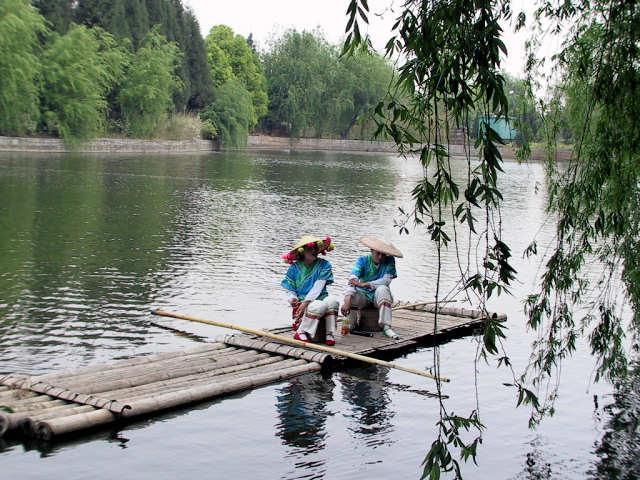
(327, 308)
(382, 300)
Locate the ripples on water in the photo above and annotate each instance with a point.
(89, 244)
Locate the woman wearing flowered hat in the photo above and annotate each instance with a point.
(306, 283)
(369, 282)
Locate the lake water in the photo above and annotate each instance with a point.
(89, 244)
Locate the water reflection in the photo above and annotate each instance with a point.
(619, 449)
(302, 410)
(370, 408)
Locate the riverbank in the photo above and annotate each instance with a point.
(105, 145)
(254, 142)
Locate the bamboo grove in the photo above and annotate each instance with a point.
(81, 69)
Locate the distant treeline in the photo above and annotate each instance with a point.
(78, 69)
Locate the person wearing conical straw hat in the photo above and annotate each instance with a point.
(306, 284)
(369, 282)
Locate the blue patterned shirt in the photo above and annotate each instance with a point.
(367, 271)
(300, 279)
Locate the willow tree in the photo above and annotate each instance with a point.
(145, 96)
(20, 26)
(232, 58)
(450, 56)
(297, 67)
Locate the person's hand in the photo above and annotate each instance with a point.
(354, 282)
(346, 307)
(294, 302)
(300, 309)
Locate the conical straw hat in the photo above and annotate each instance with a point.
(381, 246)
(304, 240)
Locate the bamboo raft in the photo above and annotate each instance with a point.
(64, 402)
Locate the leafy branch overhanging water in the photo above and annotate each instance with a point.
(450, 56)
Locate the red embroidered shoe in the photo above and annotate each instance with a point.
(330, 340)
(302, 337)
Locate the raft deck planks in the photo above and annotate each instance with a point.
(64, 402)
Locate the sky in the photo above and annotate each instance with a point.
(269, 19)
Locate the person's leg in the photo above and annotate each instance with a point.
(315, 311)
(383, 300)
(330, 319)
(332, 314)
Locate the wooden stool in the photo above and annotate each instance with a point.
(321, 331)
(367, 320)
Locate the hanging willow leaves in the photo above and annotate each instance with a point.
(449, 55)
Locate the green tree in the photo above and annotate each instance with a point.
(145, 96)
(315, 92)
(297, 67)
(230, 114)
(450, 54)
(200, 84)
(20, 26)
(123, 18)
(75, 80)
(231, 57)
(596, 197)
(132, 20)
(59, 13)
(362, 82)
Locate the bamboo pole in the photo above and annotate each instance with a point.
(142, 379)
(16, 395)
(422, 304)
(256, 371)
(202, 392)
(277, 348)
(139, 360)
(137, 376)
(312, 346)
(46, 429)
(214, 376)
(65, 394)
(36, 406)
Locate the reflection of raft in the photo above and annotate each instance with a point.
(64, 402)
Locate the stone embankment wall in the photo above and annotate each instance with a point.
(265, 142)
(106, 145)
(255, 142)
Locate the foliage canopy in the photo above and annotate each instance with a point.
(76, 80)
(145, 96)
(450, 54)
(315, 92)
(231, 58)
(20, 27)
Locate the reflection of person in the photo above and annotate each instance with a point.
(306, 282)
(302, 408)
(366, 392)
(369, 282)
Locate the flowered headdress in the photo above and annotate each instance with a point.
(297, 252)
